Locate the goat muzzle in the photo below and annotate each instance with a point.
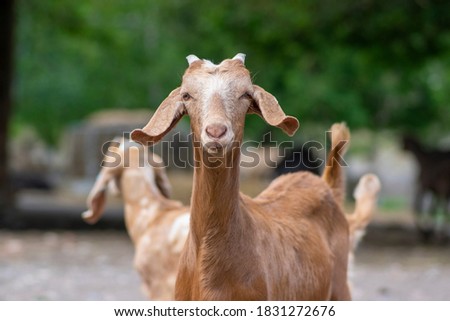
(216, 131)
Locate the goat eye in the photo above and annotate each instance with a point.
(245, 96)
(186, 96)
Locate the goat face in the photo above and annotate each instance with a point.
(217, 98)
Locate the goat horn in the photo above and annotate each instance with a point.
(240, 56)
(192, 58)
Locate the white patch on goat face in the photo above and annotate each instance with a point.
(219, 106)
(215, 109)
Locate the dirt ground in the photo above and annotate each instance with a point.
(73, 261)
(97, 265)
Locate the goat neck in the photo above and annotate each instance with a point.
(144, 203)
(215, 193)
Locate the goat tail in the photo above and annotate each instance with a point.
(333, 173)
(366, 195)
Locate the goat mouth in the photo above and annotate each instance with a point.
(214, 147)
(218, 147)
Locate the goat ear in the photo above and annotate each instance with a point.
(165, 118)
(159, 171)
(162, 181)
(266, 106)
(97, 197)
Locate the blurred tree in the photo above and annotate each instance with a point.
(375, 64)
(6, 54)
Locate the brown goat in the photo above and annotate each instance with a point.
(291, 242)
(157, 225)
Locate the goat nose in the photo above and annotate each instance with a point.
(216, 130)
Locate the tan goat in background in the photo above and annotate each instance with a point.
(291, 242)
(157, 225)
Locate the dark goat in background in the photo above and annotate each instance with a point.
(433, 181)
(300, 158)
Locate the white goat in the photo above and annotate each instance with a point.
(157, 225)
(291, 242)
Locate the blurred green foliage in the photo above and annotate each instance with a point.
(374, 64)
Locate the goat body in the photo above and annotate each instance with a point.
(156, 225)
(289, 243)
